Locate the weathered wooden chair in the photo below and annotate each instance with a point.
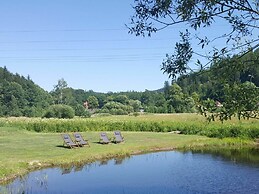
(118, 138)
(68, 141)
(104, 138)
(80, 140)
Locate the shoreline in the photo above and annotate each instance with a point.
(37, 165)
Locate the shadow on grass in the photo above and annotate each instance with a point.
(61, 146)
(97, 142)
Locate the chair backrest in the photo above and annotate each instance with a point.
(117, 133)
(79, 139)
(67, 138)
(78, 136)
(68, 141)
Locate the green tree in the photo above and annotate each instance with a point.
(166, 89)
(189, 104)
(81, 111)
(240, 100)
(180, 102)
(59, 91)
(13, 107)
(116, 108)
(13, 99)
(123, 99)
(136, 105)
(195, 97)
(240, 18)
(59, 111)
(176, 98)
(20, 96)
(92, 102)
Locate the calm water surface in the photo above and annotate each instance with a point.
(230, 171)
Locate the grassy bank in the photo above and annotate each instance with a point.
(23, 151)
(31, 143)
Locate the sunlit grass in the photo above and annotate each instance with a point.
(23, 150)
(186, 123)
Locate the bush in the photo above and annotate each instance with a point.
(59, 111)
(86, 114)
(116, 108)
(136, 114)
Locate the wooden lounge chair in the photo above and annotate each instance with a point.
(68, 141)
(80, 140)
(104, 138)
(118, 138)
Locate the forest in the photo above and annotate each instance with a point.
(20, 96)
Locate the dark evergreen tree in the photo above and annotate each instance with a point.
(20, 96)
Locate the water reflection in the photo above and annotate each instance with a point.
(67, 169)
(196, 171)
(247, 156)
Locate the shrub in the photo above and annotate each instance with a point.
(59, 111)
(136, 114)
(116, 108)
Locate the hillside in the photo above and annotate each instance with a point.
(20, 96)
(209, 83)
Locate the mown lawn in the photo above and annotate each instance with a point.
(22, 150)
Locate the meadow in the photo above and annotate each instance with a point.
(185, 123)
(33, 143)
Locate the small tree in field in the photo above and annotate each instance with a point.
(92, 102)
(60, 111)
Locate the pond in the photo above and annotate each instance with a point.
(225, 171)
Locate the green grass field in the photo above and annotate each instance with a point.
(186, 123)
(24, 149)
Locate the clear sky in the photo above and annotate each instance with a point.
(83, 41)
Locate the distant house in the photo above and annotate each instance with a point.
(141, 110)
(218, 104)
(85, 105)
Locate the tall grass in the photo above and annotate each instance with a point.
(185, 123)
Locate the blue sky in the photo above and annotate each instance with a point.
(83, 41)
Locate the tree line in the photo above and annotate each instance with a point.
(20, 96)
(200, 91)
(232, 82)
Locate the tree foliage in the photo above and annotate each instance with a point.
(92, 102)
(19, 96)
(239, 95)
(238, 92)
(176, 63)
(240, 16)
(61, 92)
(60, 111)
(240, 35)
(116, 108)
